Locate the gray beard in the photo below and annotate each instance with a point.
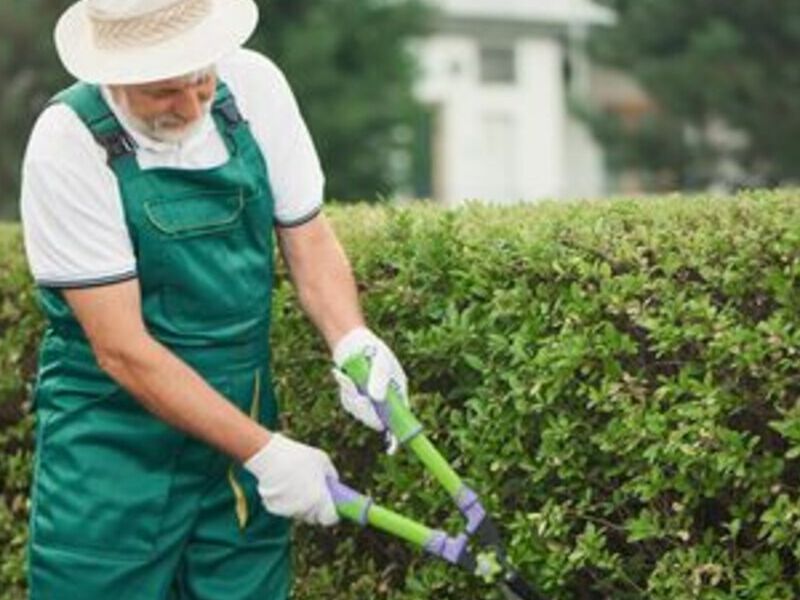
(159, 130)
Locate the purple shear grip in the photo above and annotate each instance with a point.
(343, 494)
(448, 548)
(382, 410)
(471, 507)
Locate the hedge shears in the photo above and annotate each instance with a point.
(479, 548)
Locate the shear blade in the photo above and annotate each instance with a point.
(515, 588)
(510, 594)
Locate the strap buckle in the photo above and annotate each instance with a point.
(117, 144)
(230, 112)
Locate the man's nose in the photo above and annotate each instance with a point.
(188, 106)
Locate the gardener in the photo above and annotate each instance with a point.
(151, 190)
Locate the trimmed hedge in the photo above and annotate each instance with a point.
(619, 379)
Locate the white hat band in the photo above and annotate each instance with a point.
(148, 29)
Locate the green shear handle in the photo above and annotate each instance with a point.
(488, 561)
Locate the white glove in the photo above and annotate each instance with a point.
(385, 370)
(292, 480)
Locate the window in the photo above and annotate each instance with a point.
(498, 64)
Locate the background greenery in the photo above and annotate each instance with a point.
(706, 63)
(703, 63)
(619, 379)
(346, 60)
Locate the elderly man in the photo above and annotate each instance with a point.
(152, 188)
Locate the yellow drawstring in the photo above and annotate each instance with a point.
(255, 406)
(241, 500)
(242, 515)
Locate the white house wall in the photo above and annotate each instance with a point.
(584, 165)
(543, 113)
(448, 66)
(499, 143)
(564, 12)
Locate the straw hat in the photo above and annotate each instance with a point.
(139, 41)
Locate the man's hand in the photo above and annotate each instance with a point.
(327, 291)
(385, 371)
(292, 480)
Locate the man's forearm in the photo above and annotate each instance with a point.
(174, 392)
(323, 278)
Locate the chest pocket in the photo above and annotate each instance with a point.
(196, 216)
(211, 269)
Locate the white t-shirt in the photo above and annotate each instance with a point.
(72, 212)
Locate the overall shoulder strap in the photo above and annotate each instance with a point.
(225, 106)
(229, 120)
(88, 103)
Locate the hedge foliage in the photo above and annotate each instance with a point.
(619, 379)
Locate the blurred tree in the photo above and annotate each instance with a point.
(31, 73)
(714, 68)
(351, 69)
(347, 60)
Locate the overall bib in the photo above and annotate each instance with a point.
(125, 507)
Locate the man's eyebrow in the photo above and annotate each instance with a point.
(166, 89)
(176, 87)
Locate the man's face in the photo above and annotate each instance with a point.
(170, 110)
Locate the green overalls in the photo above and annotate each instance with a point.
(124, 507)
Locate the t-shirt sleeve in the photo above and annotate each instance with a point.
(73, 222)
(267, 102)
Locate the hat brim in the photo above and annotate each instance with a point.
(228, 27)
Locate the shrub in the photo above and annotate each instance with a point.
(619, 380)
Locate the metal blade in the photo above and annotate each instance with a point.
(515, 588)
(508, 593)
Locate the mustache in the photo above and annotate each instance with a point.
(170, 121)
(167, 127)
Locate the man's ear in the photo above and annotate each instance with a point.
(117, 93)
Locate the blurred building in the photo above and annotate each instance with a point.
(497, 80)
